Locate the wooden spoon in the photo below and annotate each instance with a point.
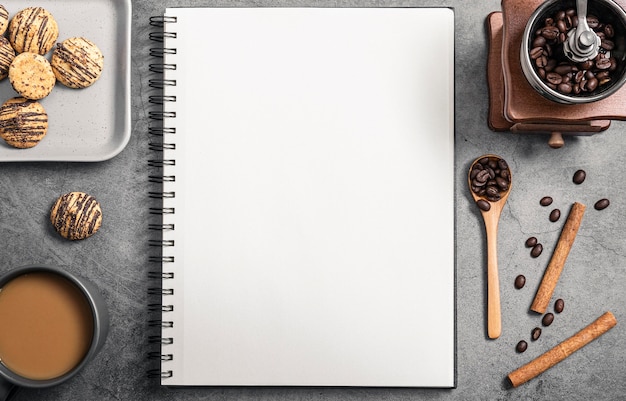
(491, 210)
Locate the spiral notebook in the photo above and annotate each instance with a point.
(308, 196)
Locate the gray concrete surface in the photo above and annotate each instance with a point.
(592, 282)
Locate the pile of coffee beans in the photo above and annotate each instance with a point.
(490, 178)
(558, 71)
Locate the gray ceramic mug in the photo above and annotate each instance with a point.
(10, 381)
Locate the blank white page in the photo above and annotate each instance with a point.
(314, 207)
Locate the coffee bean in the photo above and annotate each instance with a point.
(547, 319)
(536, 251)
(539, 41)
(520, 281)
(530, 242)
(601, 204)
(586, 65)
(502, 183)
(536, 52)
(550, 32)
(541, 61)
(535, 334)
(482, 176)
(592, 84)
(607, 44)
(603, 64)
(563, 69)
(559, 304)
(483, 205)
(554, 78)
(555, 215)
(521, 346)
(579, 177)
(565, 88)
(545, 201)
(579, 77)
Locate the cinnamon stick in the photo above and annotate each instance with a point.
(550, 358)
(557, 262)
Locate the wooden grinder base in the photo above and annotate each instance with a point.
(515, 106)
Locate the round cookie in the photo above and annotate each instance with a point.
(7, 54)
(34, 30)
(23, 122)
(77, 62)
(76, 215)
(31, 76)
(4, 19)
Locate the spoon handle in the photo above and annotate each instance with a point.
(494, 323)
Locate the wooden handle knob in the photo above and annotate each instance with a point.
(556, 140)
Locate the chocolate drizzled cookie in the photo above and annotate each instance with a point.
(4, 19)
(77, 62)
(76, 215)
(34, 30)
(7, 54)
(23, 122)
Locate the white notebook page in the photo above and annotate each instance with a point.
(314, 224)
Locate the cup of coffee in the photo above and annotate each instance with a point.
(52, 323)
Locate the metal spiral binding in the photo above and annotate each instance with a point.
(161, 243)
(161, 115)
(160, 20)
(161, 163)
(160, 323)
(160, 308)
(160, 99)
(157, 373)
(160, 291)
(162, 210)
(162, 195)
(159, 142)
(161, 67)
(160, 340)
(160, 146)
(161, 275)
(160, 131)
(161, 83)
(162, 178)
(161, 259)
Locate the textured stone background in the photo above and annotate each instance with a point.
(591, 284)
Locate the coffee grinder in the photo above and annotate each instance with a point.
(517, 105)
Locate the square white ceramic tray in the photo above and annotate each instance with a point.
(91, 124)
